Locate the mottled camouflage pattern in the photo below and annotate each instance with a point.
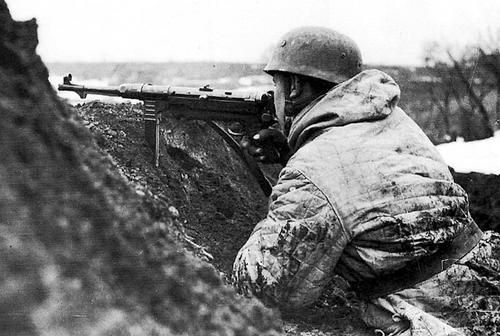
(465, 296)
(364, 193)
(289, 256)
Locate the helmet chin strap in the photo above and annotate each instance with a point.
(293, 107)
(288, 125)
(300, 95)
(297, 98)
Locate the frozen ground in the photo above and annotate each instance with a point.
(482, 156)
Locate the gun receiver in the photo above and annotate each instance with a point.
(251, 112)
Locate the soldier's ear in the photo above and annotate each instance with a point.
(296, 86)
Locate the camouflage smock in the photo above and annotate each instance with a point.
(364, 193)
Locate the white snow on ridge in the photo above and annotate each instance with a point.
(481, 156)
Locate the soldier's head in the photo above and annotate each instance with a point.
(306, 63)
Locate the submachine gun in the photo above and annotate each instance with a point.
(247, 113)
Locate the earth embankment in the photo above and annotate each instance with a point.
(83, 253)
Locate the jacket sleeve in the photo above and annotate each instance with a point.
(290, 256)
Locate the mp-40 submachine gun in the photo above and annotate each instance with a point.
(245, 112)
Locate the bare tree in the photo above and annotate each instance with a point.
(491, 62)
(475, 89)
(441, 89)
(463, 87)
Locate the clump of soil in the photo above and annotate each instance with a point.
(213, 194)
(84, 251)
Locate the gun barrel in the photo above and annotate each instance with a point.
(250, 110)
(166, 93)
(83, 90)
(202, 103)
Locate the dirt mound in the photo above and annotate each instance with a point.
(218, 202)
(212, 191)
(82, 251)
(484, 198)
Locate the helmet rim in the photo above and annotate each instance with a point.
(316, 52)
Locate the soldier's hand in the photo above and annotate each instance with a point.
(269, 145)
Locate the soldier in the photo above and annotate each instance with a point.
(363, 194)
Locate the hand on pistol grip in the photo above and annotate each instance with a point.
(269, 145)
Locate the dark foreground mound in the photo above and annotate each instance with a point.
(81, 253)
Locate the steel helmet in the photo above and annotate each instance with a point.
(316, 52)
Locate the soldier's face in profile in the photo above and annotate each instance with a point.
(281, 88)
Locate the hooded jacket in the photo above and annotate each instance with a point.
(364, 195)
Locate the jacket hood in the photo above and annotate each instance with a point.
(370, 95)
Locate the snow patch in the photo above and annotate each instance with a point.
(481, 156)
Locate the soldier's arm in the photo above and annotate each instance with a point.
(291, 254)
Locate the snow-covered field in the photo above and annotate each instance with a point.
(482, 156)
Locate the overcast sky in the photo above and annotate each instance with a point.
(387, 31)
